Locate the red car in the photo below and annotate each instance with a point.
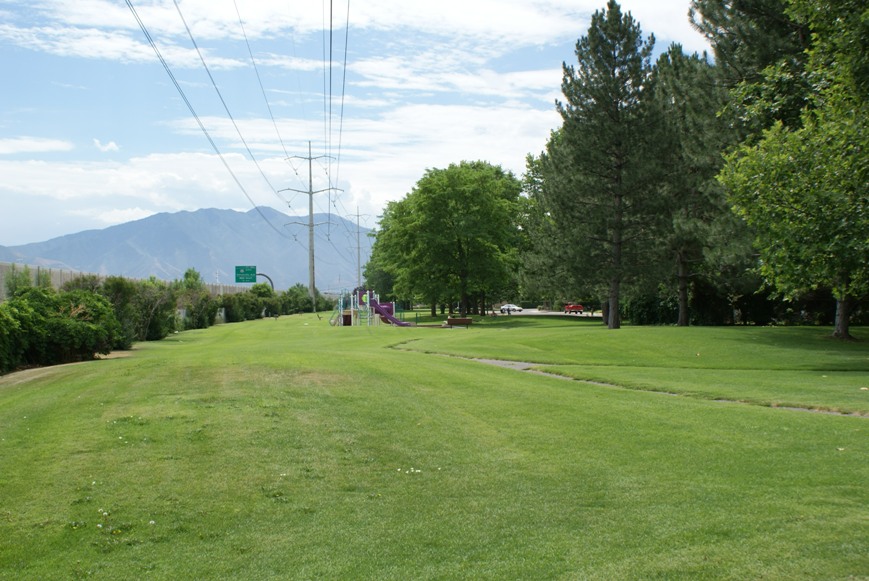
(573, 308)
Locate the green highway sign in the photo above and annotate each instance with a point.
(245, 274)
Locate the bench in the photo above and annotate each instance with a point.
(458, 321)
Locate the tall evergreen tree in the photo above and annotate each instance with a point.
(748, 35)
(546, 262)
(599, 170)
(688, 94)
(751, 38)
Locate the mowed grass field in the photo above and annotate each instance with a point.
(291, 449)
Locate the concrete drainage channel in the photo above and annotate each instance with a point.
(524, 366)
(529, 368)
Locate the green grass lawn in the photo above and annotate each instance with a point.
(774, 366)
(292, 449)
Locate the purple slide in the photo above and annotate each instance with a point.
(384, 313)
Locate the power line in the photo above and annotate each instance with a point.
(195, 116)
(343, 93)
(220, 95)
(259, 80)
(328, 112)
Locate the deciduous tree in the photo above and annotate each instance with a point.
(805, 189)
(454, 235)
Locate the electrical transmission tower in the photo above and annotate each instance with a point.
(310, 192)
(358, 250)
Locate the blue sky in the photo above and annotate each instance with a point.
(94, 133)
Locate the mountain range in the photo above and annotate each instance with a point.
(213, 242)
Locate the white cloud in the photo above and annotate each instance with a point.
(105, 29)
(105, 148)
(429, 84)
(408, 141)
(16, 145)
(115, 215)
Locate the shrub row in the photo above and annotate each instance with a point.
(91, 315)
(40, 326)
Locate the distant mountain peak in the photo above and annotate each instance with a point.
(214, 242)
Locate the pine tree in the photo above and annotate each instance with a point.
(599, 171)
(688, 95)
(751, 40)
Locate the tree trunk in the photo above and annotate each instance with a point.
(463, 304)
(434, 309)
(614, 320)
(844, 306)
(682, 267)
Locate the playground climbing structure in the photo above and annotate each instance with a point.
(362, 307)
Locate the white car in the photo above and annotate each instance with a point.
(508, 308)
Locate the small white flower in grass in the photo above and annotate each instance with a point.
(150, 522)
(99, 526)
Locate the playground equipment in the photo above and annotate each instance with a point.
(362, 307)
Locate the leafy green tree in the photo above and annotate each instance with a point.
(18, 280)
(242, 306)
(12, 341)
(269, 303)
(231, 305)
(87, 325)
(297, 299)
(63, 327)
(377, 272)
(155, 304)
(261, 290)
(600, 170)
(199, 306)
(86, 282)
(121, 292)
(389, 263)
(804, 189)
(454, 236)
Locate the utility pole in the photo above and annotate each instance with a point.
(311, 283)
(358, 253)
